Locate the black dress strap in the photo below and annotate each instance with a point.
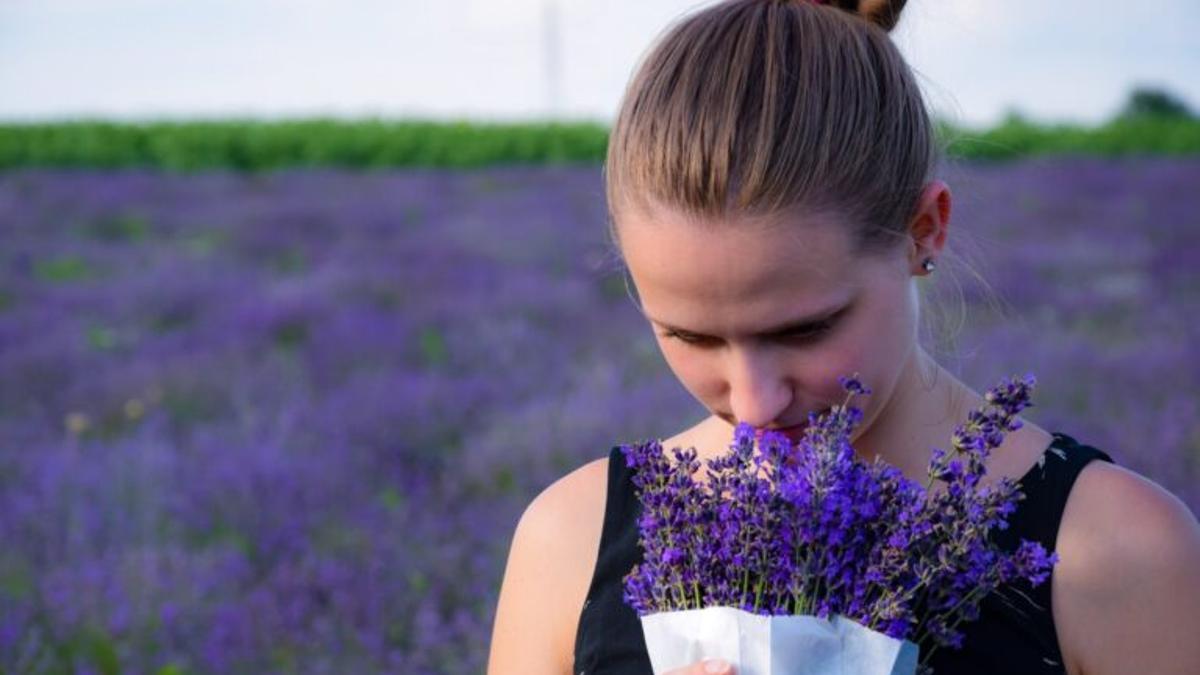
(1046, 487)
(609, 639)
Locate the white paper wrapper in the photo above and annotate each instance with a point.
(774, 645)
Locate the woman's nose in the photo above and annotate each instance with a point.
(759, 393)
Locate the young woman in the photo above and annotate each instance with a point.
(770, 188)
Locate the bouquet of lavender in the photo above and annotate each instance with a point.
(805, 559)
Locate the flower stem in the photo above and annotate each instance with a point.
(949, 612)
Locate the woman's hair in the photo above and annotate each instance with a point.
(765, 107)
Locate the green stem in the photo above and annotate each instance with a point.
(949, 612)
(745, 582)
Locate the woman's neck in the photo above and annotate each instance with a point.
(924, 408)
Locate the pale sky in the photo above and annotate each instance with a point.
(487, 59)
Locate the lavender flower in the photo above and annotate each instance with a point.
(812, 529)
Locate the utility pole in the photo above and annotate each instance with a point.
(552, 39)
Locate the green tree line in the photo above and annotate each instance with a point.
(1151, 123)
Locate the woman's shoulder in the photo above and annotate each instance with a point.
(554, 549)
(1126, 589)
(569, 516)
(1108, 500)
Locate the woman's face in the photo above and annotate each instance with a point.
(730, 287)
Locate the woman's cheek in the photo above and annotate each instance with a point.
(690, 368)
(849, 353)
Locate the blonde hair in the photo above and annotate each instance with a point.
(763, 107)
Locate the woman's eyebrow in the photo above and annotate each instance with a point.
(795, 325)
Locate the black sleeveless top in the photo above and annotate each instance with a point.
(1013, 634)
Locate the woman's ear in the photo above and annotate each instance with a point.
(928, 227)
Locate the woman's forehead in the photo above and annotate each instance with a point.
(748, 256)
(686, 273)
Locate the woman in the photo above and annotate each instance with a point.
(770, 188)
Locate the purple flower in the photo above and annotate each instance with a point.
(810, 528)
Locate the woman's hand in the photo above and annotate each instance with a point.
(705, 667)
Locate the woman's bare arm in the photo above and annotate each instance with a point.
(549, 567)
(1127, 596)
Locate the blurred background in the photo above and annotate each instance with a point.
(302, 302)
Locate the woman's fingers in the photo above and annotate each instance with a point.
(705, 667)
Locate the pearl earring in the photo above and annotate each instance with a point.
(928, 265)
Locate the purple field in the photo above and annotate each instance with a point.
(287, 423)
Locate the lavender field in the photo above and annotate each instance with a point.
(287, 422)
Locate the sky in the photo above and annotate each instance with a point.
(500, 60)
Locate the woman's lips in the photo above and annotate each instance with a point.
(794, 432)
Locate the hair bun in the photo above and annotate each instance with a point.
(882, 13)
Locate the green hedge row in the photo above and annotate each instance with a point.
(1122, 136)
(249, 145)
(252, 145)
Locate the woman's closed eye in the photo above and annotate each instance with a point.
(806, 336)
